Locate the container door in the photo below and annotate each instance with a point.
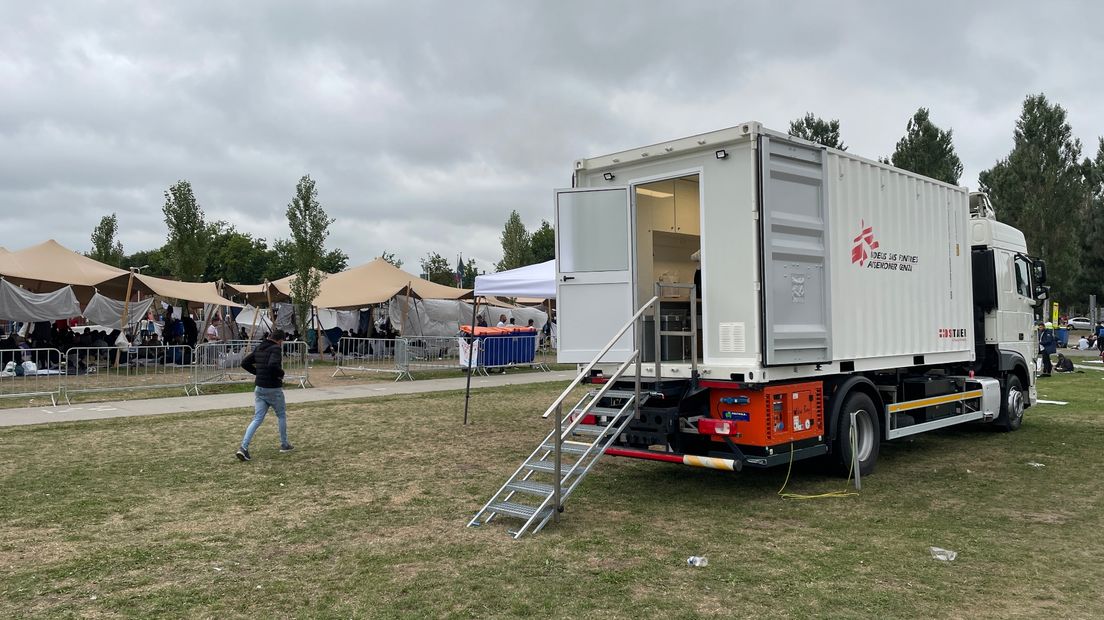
(795, 257)
(594, 280)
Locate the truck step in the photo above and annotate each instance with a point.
(589, 429)
(529, 487)
(614, 394)
(513, 509)
(569, 447)
(548, 467)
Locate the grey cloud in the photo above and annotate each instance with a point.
(426, 123)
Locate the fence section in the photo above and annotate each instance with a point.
(219, 363)
(385, 355)
(104, 369)
(31, 372)
(432, 353)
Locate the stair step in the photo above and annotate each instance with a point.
(614, 394)
(610, 411)
(513, 509)
(568, 447)
(548, 467)
(589, 429)
(539, 489)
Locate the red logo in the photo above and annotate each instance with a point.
(864, 244)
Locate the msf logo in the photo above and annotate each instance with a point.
(864, 244)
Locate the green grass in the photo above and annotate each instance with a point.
(154, 518)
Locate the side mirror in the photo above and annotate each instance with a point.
(1040, 271)
(1042, 293)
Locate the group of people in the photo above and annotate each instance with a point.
(1048, 345)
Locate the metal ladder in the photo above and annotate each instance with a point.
(585, 443)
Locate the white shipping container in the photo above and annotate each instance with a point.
(813, 260)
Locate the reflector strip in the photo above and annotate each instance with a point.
(934, 400)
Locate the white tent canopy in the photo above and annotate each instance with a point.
(530, 281)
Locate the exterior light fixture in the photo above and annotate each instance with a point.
(721, 154)
(608, 176)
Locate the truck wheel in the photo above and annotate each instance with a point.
(868, 436)
(1012, 405)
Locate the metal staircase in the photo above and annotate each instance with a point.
(536, 491)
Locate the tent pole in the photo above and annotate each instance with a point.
(126, 311)
(406, 310)
(471, 343)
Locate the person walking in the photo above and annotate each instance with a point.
(266, 363)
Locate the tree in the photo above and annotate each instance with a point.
(468, 281)
(309, 226)
(516, 251)
(334, 261)
(1091, 230)
(281, 260)
(187, 242)
(152, 262)
(233, 256)
(927, 150)
(389, 257)
(1040, 188)
(105, 247)
(437, 269)
(543, 243)
(816, 129)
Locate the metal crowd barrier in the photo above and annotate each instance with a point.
(372, 355)
(432, 352)
(46, 378)
(104, 369)
(219, 363)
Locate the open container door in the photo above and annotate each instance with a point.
(796, 301)
(594, 279)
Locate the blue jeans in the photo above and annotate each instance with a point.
(263, 399)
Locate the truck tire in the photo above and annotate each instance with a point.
(869, 435)
(1012, 405)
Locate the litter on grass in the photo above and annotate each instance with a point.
(943, 555)
(1036, 465)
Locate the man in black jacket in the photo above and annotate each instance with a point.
(266, 363)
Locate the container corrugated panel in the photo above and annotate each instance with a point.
(900, 278)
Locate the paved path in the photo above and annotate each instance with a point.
(180, 404)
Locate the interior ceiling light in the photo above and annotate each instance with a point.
(653, 193)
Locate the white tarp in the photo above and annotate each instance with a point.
(17, 304)
(108, 312)
(443, 317)
(253, 319)
(344, 319)
(530, 281)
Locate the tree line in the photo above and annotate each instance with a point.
(196, 250)
(199, 250)
(1043, 187)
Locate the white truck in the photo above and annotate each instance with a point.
(764, 299)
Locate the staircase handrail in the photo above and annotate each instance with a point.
(586, 370)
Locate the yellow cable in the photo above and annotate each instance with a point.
(853, 436)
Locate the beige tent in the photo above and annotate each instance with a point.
(197, 292)
(377, 282)
(49, 266)
(252, 293)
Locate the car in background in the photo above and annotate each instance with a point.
(1079, 322)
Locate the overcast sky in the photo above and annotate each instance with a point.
(424, 123)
